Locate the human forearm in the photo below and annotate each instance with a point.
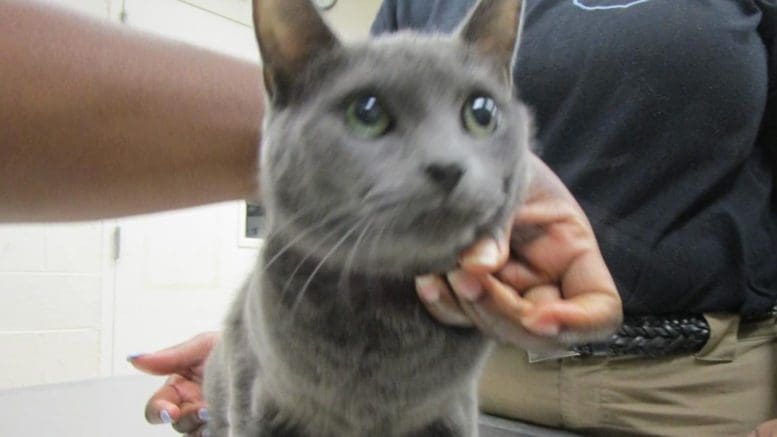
(97, 120)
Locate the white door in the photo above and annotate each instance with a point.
(175, 276)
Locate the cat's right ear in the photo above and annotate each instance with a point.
(290, 34)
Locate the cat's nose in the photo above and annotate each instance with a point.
(445, 176)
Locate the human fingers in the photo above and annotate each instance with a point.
(439, 301)
(495, 301)
(567, 254)
(499, 301)
(494, 323)
(173, 400)
(543, 310)
(542, 294)
(520, 310)
(163, 406)
(561, 234)
(584, 318)
(488, 254)
(193, 418)
(521, 276)
(185, 357)
(589, 306)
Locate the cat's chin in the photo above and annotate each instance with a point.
(437, 257)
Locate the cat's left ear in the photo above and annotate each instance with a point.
(290, 34)
(493, 27)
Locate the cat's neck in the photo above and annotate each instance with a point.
(296, 273)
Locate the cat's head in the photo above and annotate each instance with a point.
(393, 155)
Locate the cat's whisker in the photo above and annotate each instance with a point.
(371, 258)
(294, 217)
(312, 250)
(379, 239)
(396, 202)
(302, 234)
(380, 202)
(291, 243)
(347, 270)
(321, 264)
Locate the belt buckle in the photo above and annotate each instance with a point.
(601, 349)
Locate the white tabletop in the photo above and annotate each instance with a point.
(113, 407)
(109, 407)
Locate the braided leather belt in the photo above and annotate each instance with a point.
(652, 336)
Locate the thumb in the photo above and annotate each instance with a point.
(176, 359)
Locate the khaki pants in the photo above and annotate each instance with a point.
(726, 389)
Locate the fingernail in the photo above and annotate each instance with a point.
(428, 287)
(466, 285)
(205, 433)
(545, 329)
(486, 253)
(133, 357)
(165, 416)
(203, 415)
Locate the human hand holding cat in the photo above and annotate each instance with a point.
(550, 287)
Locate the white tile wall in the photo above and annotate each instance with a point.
(73, 248)
(49, 302)
(44, 357)
(22, 248)
(51, 293)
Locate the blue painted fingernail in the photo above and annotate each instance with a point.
(203, 414)
(165, 416)
(132, 357)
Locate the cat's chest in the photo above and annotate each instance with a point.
(365, 315)
(352, 336)
(347, 310)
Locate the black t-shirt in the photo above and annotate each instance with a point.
(660, 117)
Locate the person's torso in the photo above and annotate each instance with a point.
(650, 112)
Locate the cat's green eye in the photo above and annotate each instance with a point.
(480, 115)
(366, 117)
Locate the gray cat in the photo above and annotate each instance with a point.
(380, 161)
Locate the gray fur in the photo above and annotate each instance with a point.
(327, 337)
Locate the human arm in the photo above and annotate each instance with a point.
(99, 121)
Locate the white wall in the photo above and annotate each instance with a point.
(68, 309)
(51, 286)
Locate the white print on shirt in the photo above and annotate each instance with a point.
(599, 5)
